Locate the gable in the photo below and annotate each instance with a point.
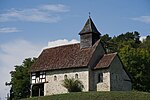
(118, 67)
(113, 62)
(105, 61)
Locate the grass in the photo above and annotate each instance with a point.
(115, 95)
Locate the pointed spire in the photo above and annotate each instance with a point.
(89, 27)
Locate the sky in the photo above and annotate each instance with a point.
(29, 26)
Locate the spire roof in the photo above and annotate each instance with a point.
(89, 27)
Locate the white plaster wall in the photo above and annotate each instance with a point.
(120, 81)
(55, 87)
(105, 85)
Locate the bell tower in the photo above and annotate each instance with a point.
(89, 34)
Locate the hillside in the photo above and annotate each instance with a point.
(97, 96)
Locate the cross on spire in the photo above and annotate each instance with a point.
(89, 14)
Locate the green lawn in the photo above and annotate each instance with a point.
(115, 95)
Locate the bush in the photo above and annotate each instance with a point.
(73, 85)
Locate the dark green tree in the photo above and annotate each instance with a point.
(128, 38)
(108, 43)
(146, 43)
(20, 79)
(137, 37)
(137, 62)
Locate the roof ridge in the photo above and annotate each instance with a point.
(111, 53)
(106, 60)
(90, 24)
(96, 43)
(62, 46)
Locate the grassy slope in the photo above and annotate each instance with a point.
(97, 96)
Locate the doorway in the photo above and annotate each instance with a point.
(38, 90)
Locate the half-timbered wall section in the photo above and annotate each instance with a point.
(38, 77)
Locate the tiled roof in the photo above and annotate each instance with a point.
(67, 56)
(89, 27)
(105, 61)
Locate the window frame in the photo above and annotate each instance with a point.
(65, 76)
(55, 78)
(100, 77)
(76, 76)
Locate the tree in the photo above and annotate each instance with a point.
(137, 62)
(20, 79)
(108, 43)
(146, 43)
(137, 37)
(116, 43)
(73, 85)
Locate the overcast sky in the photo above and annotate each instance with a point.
(28, 26)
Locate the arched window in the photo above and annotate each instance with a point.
(76, 76)
(65, 77)
(100, 77)
(55, 78)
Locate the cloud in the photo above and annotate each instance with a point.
(55, 8)
(142, 38)
(11, 54)
(14, 52)
(145, 19)
(45, 13)
(61, 42)
(9, 30)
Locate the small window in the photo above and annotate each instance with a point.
(100, 77)
(37, 80)
(65, 77)
(33, 77)
(76, 76)
(55, 78)
(33, 80)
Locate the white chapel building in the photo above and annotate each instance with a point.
(86, 61)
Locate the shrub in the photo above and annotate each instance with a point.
(73, 85)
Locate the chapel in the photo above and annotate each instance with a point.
(86, 61)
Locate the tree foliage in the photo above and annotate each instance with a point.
(137, 62)
(72, 85)
(20, 79)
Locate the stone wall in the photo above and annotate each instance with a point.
(53, 86)
(120, 81)
(105, 85)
